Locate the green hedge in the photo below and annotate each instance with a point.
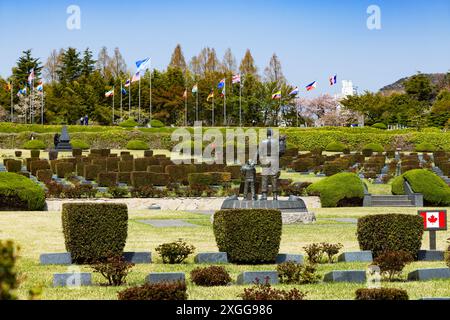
(94, 231)
(338, 190)
(34, 145)
(335, 147)
(397, 187)
(435, 191)
(381, 294)
(129, 123)
(379, 125)
(375, 147)
(390, 232)
(155, 123)
(79, 144)
(19, 192)
(137, 145)
(248, 236)
(425, 147)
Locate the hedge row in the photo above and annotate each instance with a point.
(303, 139)
(19, 192)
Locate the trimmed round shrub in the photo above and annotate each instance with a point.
(155, 123)
(381, 294)
(375, 147)
(342, 189)
(435, 191)
(34, 145)
(335, 147)
(425, 147)
(20, 193)
(79, 144)
(210, 276)
(129, 123)
(379, 125)
(397, 187)
(390, 232)
(137, 145)
(94, 232)
(248, 236)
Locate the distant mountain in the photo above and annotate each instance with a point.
(436, 78)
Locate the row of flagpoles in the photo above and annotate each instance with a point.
(142, 66)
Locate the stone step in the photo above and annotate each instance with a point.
(392, 204)
(390, 197)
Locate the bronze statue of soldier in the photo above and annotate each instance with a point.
(248, 171)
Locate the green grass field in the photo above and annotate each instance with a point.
(41, 232)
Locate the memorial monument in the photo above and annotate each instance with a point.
(63, 143)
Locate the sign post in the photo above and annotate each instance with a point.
(433, 220)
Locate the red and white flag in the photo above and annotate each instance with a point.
(236, 79)
(434, 219)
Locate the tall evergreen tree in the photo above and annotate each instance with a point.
(24, 65)
(87, 63)
(70, 68)
(247, 65)
(273, 71)
(177, 60)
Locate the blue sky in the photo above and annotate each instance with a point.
(314, 39)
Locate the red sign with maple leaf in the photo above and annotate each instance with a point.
(434, 219)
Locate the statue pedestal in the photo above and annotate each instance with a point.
(293, 210)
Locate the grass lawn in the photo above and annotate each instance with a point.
(41, 232)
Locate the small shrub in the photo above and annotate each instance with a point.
(38, 165)
(91, 171)
(64, 168)
(375, 147)
(114, 269)
(79, 144)
(175, 252)
(18, 153)
(390, 232)
(303, 164)
(425, 147)
(335, 147)
(338, 190)
(379, 125)
(13, 165)
(314, 252)
(137, 145)
(118, 192)
(156, 291)
(331, 249)
(293, 273)
(391, 263)
(155, 123)
(266, 292)
(210, 276)
(54, 189)
(34, 145)
(381, 294)
(44, 175)
(94, 231)
(8, 275)
(35, 153)
(80, 191)
(20, 193)
(129, 123)
(248, 236)
(107, 179)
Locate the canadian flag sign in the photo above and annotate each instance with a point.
(434, 219)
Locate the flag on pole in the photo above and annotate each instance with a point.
(311, 86)
(136, 77)
(294, 92)
(8, 86)
(22, 91)
(109, 93)
(221, 84)
(210, 96)
(276, 95)
(127, 83)
(40, 87)
(143, 64)
(222, 94)
(124, 91)
(195, 88)
(31, 76)
(236, 79)
(185, 94)
(333, 80)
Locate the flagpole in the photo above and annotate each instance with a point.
(113, 105)
(212, 122)
(42, 107)
(225, 103)
(139, 107)
(196, 105)
(185, 109)
(240, 102)
(129, 100)
(12, 102)
(150, 96)
(121, 111)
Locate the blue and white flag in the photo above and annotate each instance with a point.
(221, 84)
(143, 65)
(124, 91)
(294, 92)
